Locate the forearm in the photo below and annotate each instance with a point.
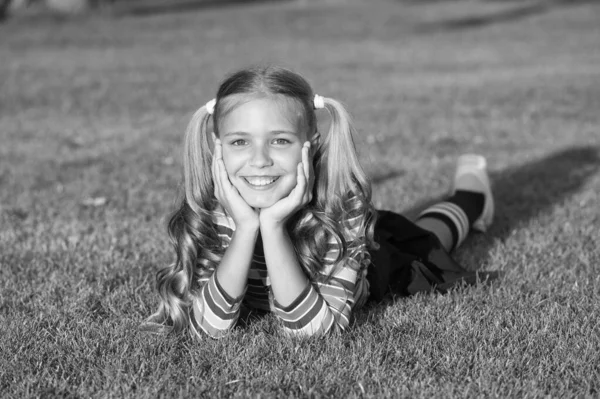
(216, 309)
(285, 272)
(307, 309)
(232, 272)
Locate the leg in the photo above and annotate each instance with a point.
(471, 204)
(440, 229)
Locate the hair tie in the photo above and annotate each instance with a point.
(210, 106)
(318, 102)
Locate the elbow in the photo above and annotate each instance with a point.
(202, 329)
(202, 326)
(316, 328)
(199, 333)
(304, 333)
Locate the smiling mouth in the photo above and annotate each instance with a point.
(261, 181)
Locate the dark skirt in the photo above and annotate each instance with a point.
(411, 259)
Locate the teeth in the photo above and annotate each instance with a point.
(260, 181)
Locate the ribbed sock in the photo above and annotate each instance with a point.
(458, 213)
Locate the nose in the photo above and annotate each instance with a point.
(261, 157)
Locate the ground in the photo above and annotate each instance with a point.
(92, 110)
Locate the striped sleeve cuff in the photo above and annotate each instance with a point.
(229, 300)
(307, 315)
(214, 311)
(339, 300)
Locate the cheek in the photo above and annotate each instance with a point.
(231, 161)
(291, 159)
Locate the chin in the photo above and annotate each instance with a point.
(260, 204)
(261, 201)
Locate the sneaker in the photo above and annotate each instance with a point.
(475, 166)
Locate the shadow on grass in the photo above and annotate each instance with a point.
(516, 13)
(382, 177)
(478, 21)
(522, 193)
(150, 8)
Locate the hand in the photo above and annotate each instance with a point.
(228, 196)
(282, 210)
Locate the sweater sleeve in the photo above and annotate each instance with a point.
(214, 312)
(324, 306)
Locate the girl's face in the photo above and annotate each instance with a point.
(262, 145)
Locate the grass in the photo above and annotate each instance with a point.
(92, 112)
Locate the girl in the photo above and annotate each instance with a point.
(277, 217)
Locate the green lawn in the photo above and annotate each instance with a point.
(93, 108)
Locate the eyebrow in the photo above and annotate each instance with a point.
(271, 132)
(237, 134)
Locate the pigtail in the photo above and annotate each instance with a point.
(346, 173)
(196, 165)
(340, 166)
(190, 231)
(342, 211)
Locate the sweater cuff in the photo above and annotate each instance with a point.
(231, 301)
(301, 297)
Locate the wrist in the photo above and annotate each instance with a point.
(271, 227)
(247, 231)
(267, 222)
(248, 224)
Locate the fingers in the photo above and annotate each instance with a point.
(302, 194)
(300, 189)
(225, 183)
(305, 159)
(221, 177)
(218, 149)
(214, 168)
(217, 170)
(214, 163)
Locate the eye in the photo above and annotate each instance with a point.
(238, 142)
(281, 141)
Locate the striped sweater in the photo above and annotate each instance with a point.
(321, 307)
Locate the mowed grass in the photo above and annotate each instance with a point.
(92, 112)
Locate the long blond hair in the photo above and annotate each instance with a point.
(341, 188)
